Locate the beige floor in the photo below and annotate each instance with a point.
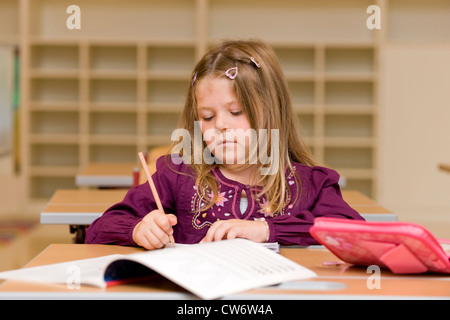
(22, 249)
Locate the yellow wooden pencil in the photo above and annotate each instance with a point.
(153, 188)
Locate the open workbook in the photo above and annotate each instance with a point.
(209, 270)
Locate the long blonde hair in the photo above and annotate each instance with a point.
(262, 92)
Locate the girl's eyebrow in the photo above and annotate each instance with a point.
(205, 108)
(227, 104)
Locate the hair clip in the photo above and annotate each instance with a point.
(232, 73)
(256, 63)
(195, 78)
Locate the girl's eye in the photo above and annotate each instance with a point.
(236, 113)
(207, 118)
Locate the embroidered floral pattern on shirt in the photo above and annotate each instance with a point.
(227, 202)
(265, 208)
(197, 203)
(220, 198)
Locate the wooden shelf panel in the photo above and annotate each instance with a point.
(418, 21)
(9, 16)
(294, 20)
(145, 19)
(117, 86)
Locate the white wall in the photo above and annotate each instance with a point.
(415, 131)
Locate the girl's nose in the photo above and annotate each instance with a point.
(222, 123)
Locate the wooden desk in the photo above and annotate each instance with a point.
(79, 207)
(333, 282)
(107, 175)
(82, 207)
(368, 208)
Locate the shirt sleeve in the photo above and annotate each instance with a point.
(323, 198)
(117, 223)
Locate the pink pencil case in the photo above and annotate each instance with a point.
(404, 248)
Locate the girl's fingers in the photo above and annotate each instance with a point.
(218, 231)
(154, 230)
(236, 228)
(211, 231)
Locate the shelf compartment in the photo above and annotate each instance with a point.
(302, 92)
(349, 126)
(158, 139)
(54, 58)
(113, 58)
(43, 187)
(349, 93)
(112, 123)
(162, 124)
(306, 125)
(170, 60)
(57, 155)
(9, 17)
(296, 61)
(363, 185)
(349, 158)
(43, 122)
(349, 60)
(165, 91)
(112, 153)
(113, 90)
(54, 90)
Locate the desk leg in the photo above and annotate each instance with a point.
(80, 233)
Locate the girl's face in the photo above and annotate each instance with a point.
(224, 123)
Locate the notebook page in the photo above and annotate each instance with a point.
(212, 270)
(85, 271)
(274, 246)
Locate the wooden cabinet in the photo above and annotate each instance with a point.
(116, 86)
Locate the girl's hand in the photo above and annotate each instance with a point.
(154, 230)
(236, 228)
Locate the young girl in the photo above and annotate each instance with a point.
(263, 187)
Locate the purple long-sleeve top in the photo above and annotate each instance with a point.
(320, 196)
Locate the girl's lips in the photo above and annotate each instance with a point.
(227, 142)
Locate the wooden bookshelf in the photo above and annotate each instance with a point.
(117, 85)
